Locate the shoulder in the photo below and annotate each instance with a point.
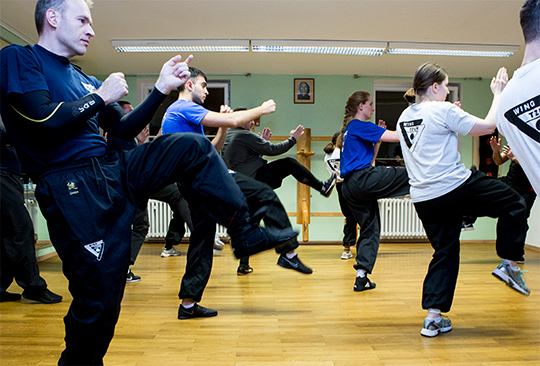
(15, 51)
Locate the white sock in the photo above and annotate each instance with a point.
(291, 255)
(361, 273)
(514, 268)
(434, 312)
(189, 306)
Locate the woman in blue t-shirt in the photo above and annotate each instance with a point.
(364, 183)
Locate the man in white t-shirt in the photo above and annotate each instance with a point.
(518, 114)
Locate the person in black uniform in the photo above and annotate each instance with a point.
(18, 253)
(515, 177)
(88, 193)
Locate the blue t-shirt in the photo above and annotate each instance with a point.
(33, 68)
(184, 116)
(358, 140)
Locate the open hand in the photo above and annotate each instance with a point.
(173, 74)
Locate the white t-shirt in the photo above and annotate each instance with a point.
(428, 135)
(332, 163)
(518, 119)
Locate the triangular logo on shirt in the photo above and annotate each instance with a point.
(89, 87)
(411, 131)
(96, 248)
(526, 117)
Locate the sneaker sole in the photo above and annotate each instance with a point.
(196, 317)
(433, 333)
(509, 281)
(169, 255)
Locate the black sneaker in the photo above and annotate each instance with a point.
(196, 311)
(45, 297)
(243, 269)
(329, 185)
(293, 263)
(363, 283)
(131, 277)
(8, 296)
(521, 260)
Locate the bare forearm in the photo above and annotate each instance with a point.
(218, 140)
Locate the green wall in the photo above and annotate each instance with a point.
(324, 117)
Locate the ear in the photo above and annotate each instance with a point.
(189, 85)
(52, 17)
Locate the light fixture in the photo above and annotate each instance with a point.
(326, 47)
(180, 45)
(369, 48)
(451, 49)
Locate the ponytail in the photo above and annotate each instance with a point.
(351, 108)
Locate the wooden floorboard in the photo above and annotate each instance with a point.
(277, 317)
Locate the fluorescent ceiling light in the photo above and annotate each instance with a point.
(319, 47)
(328, 47)
(178, 45)
(450, 49)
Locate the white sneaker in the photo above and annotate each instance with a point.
(169, 252)
(432, 327)
(346, 255)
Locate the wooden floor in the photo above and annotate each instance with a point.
(277, 317)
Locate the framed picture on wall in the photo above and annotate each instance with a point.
(304, 91)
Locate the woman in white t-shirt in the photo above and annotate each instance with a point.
(332, 161)
(443, 190)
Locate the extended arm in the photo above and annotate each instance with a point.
(238, 118)
(113, 118)
(263, 147)
(498, 157)
(487, 126)
(219, 139)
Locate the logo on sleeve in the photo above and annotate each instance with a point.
(96, 248)
(411, 131)
(526, 117)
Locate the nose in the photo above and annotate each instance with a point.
(90, 32)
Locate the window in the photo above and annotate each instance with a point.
(219, 94)
(389, 103)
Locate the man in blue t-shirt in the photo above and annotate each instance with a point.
(188, 115)
(88, 194)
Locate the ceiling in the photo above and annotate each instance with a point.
(456, 21)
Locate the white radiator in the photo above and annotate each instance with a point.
(399, 219)
(159, 215)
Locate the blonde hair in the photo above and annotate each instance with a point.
(357, 98)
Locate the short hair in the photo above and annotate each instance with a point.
(122, 103)
(427, 75)
(194, 74)
(240, 109)
(43, 5)
(529, 18)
